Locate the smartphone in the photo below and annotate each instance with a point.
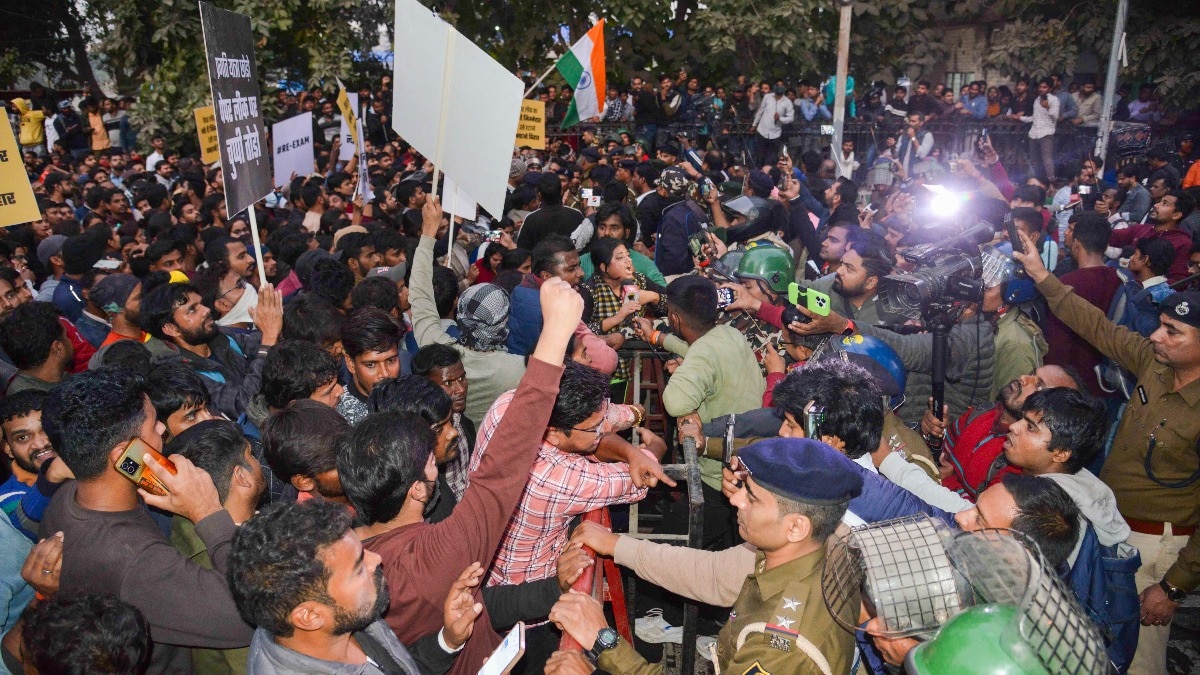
(507, 654)
(493, 236)
(631, 291)
(814, 417)
(1013, 237)
(724, 297)
(816, 301)
(132, 465)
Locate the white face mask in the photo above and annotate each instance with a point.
(241, 310)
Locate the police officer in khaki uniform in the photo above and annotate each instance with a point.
(1153, 468)
(792, 497)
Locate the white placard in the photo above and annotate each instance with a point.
(456, 201)
(454, 103)
(364, 179)
(346, 151)
(292, 142)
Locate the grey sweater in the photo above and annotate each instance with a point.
(969, 366)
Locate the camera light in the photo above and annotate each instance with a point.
(944, 202)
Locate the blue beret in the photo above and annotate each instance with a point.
(1183, 306)
(803, 470)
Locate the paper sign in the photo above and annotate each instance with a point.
(347, 149)
(233, 80)
(364, 179)
(531, 131)
(17, 203)
(455, 104)
(292, 142)
(456, 202)
(206, 131)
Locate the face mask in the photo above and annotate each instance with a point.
(241, 311)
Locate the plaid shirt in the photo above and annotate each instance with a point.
(560, 486)
(606, 303)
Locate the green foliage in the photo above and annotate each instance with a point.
(14, 66)
(154, 47)
(157, 48)
(1032, 48)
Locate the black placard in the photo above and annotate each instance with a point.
(233, 80)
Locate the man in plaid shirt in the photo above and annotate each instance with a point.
(567, 479)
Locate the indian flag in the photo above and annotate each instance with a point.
(583, 69)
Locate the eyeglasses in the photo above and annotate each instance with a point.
(598, 428)
(241, 283)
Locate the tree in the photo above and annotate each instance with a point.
(156, 46)
(49, 37)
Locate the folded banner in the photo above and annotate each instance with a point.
(233, 79)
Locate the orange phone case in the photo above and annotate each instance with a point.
(132, 465)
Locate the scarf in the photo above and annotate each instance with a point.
(483, 318)
(241, 311)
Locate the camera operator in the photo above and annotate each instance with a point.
(969, 362)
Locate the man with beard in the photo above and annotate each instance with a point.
(29, 448)
(855, 283)
(300, 574)
(232, 363)
(110, 542)
(975, 441)
(220, 450)
(119, 296)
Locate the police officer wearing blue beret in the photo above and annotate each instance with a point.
(792, 495)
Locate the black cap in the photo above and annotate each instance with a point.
(1183, 306)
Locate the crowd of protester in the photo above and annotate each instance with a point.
(374, 460)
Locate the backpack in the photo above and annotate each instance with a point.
(1103, 582)
(1132, 307)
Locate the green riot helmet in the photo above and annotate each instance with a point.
(983, 640)
(768, 263)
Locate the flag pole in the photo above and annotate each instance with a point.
(539, 80)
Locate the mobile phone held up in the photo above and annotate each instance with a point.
(493, 236)
(132, 465)
(815, 301)
(724, 297)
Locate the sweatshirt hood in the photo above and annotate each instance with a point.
(1097, 503)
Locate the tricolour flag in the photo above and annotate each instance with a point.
(583, 69)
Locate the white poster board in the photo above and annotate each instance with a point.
(292, 141)
(455, 104)
(456, 201)
(346, 151)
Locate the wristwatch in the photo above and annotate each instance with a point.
(1173, 594)
(606, 639)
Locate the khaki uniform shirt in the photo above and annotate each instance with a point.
(760, 637)
(1173, 417)
(1020, 349)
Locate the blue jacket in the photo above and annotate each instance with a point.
(524, 320)
(679, 222)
